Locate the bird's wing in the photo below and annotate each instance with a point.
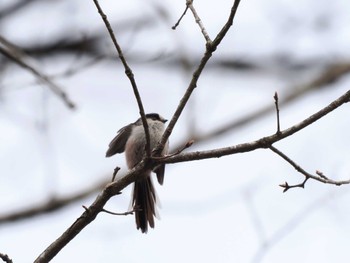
(117, 145)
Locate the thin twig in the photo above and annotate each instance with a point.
(178, 21)
(321, 178)
(187, 145)
(129, 74)
(189, 3)
(119, 214)
(332, 73)
(277, 113)
(287, 186)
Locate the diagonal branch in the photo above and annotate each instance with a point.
(61, 202)
(12, 52)
(210, 48)
(179, 20)
(329, 76)
(128, 73)
(91, 212)
(115, 188)
(5, 258)
(189, 4)
(264, 142)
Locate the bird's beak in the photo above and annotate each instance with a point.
(164, 120)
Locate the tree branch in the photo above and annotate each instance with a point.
(179, 20)
(13, 53)
(129, 74)
(210, 48)
(5, 258)
(264, 142)
(329, 76)
(91, 212)
(114, 188)
(318, 177)
(277, 112)
(189, 4)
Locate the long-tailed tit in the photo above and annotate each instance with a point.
(132, 140)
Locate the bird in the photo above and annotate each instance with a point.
(131, 139)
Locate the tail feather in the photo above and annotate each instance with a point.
(144, 201)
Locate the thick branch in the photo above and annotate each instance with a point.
(264, 142)
(114, 188)
(5, 258)
(90, 213)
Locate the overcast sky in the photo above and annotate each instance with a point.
(229, 209)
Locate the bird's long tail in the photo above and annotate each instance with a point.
(144, 200)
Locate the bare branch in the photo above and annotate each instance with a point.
(178, 21)
(331, 74)
(318, 177)
(120, 214)
(189, 4)
(180, 150)
(264, 142)
(129, 74)
(277, 112)
(228, 24)
(286, 186)
(91, 212)
(5, 258)
(12, 52)
(210, 48)
(114, 188)
(58, 203)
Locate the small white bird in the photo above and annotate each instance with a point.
(132, 140)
